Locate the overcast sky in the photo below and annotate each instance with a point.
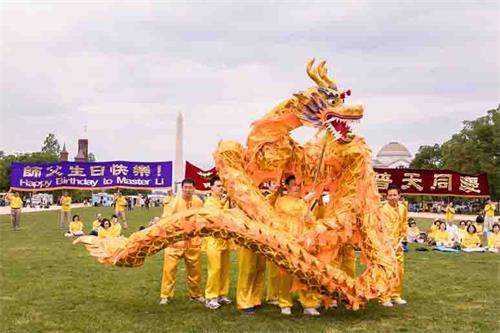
(126, 69)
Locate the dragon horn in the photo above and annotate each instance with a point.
(313, 74)
(323, 74)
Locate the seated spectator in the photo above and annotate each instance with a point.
(442, 237)
(116, 227)
(96, 225)
(75, 227)
(105, 229)
(434, 228)
(470, 241)
(494, 240)
(462, 229)
(413, 232)
(479, 224)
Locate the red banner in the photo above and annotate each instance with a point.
(432, 182)
(201, 177)
(410, 181)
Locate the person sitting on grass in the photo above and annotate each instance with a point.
(96, 225)
(494, 239)
(470, 241)
(116, 227)
(106, 229)
(75, 227)
(479, 224)
(433, 229)
(442, 237)
(413, 232)
(462, 229)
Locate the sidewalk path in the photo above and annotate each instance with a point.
(6, 210)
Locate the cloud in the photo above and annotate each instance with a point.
(126, 69)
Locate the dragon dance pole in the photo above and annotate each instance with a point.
(316, 174)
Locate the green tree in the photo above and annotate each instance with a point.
(427, 157)
(51, 145)
(476, 149)
(6, 161)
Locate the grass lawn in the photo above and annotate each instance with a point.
(49, 285)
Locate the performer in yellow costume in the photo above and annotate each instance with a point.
(395, 214)
(272, 287)
(190, 250)
(120, 205)
(218, 251)
(65, 203)
(295, 219)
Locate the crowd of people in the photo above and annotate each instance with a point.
(469, 236)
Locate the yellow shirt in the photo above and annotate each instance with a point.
(105, 233)
(470, 240)
(292, 213)
(15, 202)
(179, 205)
(211, 242)
(66, 203)
(434, 228)
(479, 227)
(450, 213)
(442, 236)
(75, 226)
(494, 241)
(395, 219)
(120, 204)
(115, 230)
(96, 224)
(489, 210)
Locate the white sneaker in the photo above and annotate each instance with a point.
(273, 302)
(311, 312)
(399, 301)
(286, 311)
(199, 299)
(387, 304)
(212, 304)
(223, 300)
(164, 301)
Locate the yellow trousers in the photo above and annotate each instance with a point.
(251, 274)
(218, 277)
(396, 291)
(272, 290)
(193, 267)
(307, 298)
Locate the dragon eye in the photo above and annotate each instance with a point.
(332, 101)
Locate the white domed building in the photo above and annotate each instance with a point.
(392, 155)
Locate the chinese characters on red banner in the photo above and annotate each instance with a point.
(432, 182)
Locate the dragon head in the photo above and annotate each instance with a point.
(323, 106)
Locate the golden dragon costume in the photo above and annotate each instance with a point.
(352, 215)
